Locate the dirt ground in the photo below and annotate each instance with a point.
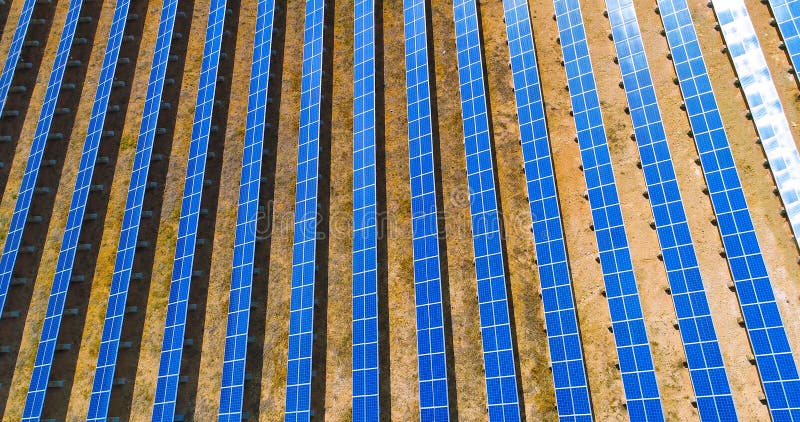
(470, 397)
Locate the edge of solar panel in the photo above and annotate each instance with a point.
(301, 315)
(126, 248)
(236, 333)
(175, 323)
(365, 358)
(743, 253)
(764, 104)
(630, 335)
(564, 343)
(66, 257)
(496, 332)
(431, 356)
(698, 335)
(14, 51)
(787, 17)
(25, 196)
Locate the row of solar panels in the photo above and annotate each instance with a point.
(776, 364)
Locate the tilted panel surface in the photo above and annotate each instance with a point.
(301, 316)
(236, 333)
(66, 257)
(563, 338)
(498, 349)
(431, 355)
(366, 372)
(704, 356)
(177, 307)
(126, 248)
(765, 105)
(787, 16)
(774, 359)
(15, 50)
(633, 348)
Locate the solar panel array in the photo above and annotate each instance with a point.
(633, 348)
(765, 105)
(366, 373)
(566, 356)
(25, 196)
(301, 317)
(15, 50)
(787, 16)
(66, 257)
(704, 356)
(177, 307)
(774, 359)
(498, 348)
(236, 333)
(431, 355)
(126, 248)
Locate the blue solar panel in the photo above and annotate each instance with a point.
(498, 349)
(566, 356)
(25, 196)
(704, 356)
(66, 256)
(635, 358)
(126, 249)
(14, 51)
(787, 16)
(233, 366)
(366, 372)
(776, 364)
(431, 357)
(301, 317)
(175, 325)
(765, 105)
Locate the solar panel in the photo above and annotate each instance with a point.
(126, 248)
(25, 196)
(431, 356)
(498, 349)
(566, 356)
(37, 390)
(366, 372)
(765, 106)
(175, 324)
(704, 356)
(301, 316)
(15, 50)
(787, 16)
(233, 366)
(774, 359)
(633, 348)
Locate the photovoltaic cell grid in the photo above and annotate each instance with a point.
(765, 105)
(126, 248)
(14, 51)
(566, 356)
(366, 403)
(175, 325)
(233, 366)
(66, 257)
(498, 350)
(765, 328)
(633, 348)
(25, 196)
(704, 356)
(301, 316)
(431, 357)
(787, 16)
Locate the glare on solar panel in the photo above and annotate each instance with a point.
(787, 17)
(635, 358)
(123, 265)
(233, 366)
(774, 358)
(175, 324)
